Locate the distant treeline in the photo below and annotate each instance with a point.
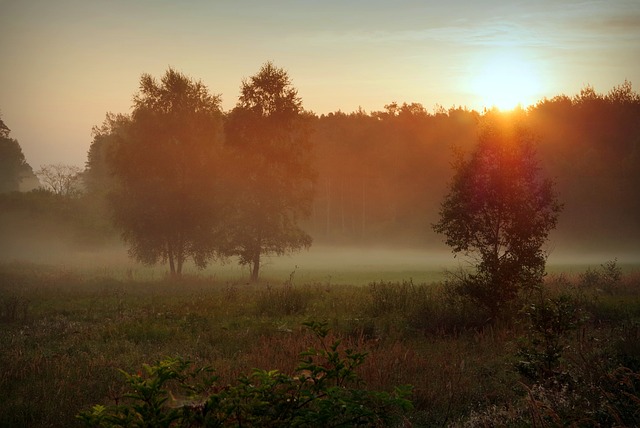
(382, 175)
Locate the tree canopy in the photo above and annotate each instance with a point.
(164, 160)
(268, 135)
(13, 165)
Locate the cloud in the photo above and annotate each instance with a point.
(558, 25)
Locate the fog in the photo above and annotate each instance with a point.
(322, 263)
(40, 240)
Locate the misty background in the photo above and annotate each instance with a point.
(380, 179)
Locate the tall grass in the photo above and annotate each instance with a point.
(66, 333)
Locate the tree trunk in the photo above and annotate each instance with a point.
(342, 206)
(328, 213)
(364, 206)
(255, 267)
(172, 266)
(179, 267)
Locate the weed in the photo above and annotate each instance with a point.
(283, 300)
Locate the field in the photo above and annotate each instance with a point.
(67, 330)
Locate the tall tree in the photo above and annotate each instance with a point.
(499, 211)
(13, 165)
(164, 163)
(273, 179)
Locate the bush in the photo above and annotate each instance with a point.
(549, 322)
(606, 278)
(325, 391)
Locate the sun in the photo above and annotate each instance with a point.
(506, 81)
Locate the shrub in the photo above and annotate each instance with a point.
(324, 391)
(606, 278)
(549, 321)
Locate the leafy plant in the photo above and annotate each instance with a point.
(324, 391)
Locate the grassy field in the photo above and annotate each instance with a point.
(66, 332)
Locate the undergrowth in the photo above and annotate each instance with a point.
(66, 335)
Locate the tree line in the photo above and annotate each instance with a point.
(181, 179)
(382, 175)
(184, 181)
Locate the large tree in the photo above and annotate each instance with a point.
(164, 161)
(273, 177)
(499, 211)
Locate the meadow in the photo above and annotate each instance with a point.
(66, 332)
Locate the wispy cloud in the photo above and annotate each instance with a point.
(562, 25)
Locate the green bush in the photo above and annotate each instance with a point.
(325, 391)
(549, 322)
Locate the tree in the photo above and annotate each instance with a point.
(273, 178)
(164, 162)
(97, 177)
(60, 179)
(499, 212)
(13, 165)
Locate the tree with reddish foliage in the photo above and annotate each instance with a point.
(499, 212)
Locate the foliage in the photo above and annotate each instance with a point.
(606, 278)
(583, 379)
(273, 177)
(97, 176)
(13, 165)
(322, 393)
(549, 322)
(165, 160)
(75, 326)
(499, 211)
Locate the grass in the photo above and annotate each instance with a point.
(65, 334)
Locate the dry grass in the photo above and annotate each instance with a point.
(71, 332)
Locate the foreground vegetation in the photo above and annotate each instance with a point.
(567, 354)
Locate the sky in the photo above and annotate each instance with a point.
(66, 63)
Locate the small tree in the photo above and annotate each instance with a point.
(273, 177)
(499, 212)
(60, 179)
